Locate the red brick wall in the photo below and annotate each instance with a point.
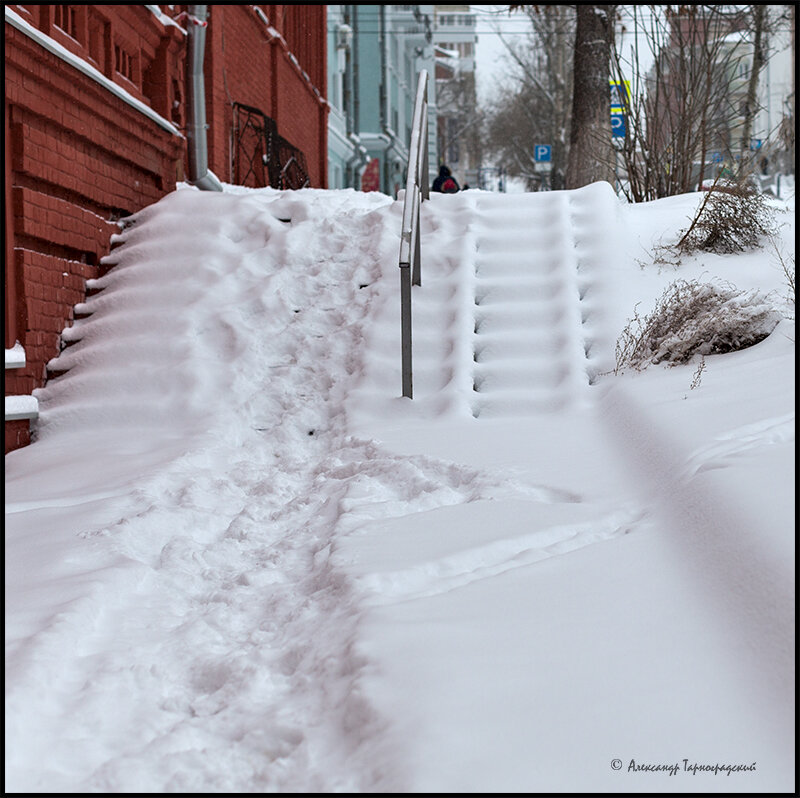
(78, 158)
(17, 435)
(246, 64)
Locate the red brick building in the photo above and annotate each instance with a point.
(96, 118)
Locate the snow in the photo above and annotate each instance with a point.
(15, 357)
(237, 560)
(21, 407)
(164, 19)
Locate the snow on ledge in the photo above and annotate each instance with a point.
(21, 407)
(15, 358)
(82, 66)
(165, 20)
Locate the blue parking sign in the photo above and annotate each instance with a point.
(542, 153)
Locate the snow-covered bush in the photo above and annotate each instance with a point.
(692, 318)
(731, 218)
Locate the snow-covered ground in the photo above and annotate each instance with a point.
(237, 560)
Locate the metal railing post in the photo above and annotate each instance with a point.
(416, 191)
(423, 178)
(416, 277)
(405, 324)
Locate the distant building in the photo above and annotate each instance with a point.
(708, 48)
(772, 134)
(775, 121)
(390, 45)
(347, 157)
(455, 37)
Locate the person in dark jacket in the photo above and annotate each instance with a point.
(445, 183)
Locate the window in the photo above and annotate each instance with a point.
(123, 63)
(66, 18)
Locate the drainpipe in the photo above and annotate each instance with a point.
(359, 159)
(393, 143)
(196, 126)
(384, 97)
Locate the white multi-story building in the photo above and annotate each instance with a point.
(455, 37)
(775, 121)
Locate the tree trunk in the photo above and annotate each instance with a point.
(759, 16)
(591, 155)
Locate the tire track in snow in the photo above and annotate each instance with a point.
(462, 568)
(735, 443)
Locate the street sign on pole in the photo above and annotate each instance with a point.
(542, 153)
(617, 126)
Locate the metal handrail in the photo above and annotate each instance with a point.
(417, 191)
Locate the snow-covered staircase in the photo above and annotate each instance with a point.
(508, 319)
(528, 342)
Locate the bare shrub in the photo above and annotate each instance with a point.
(731, 218)
(692, 318)
(787, 264)
(698, 375)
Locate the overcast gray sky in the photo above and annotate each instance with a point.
(490, 48)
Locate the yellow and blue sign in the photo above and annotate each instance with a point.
(620, 95)
(620, 101)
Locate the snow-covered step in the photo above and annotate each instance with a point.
(517, 374)
(501, 404)
(512, 289)
(507, 241)
(510, 317)
(520, 344)
(532, 260)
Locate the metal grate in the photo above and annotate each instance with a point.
(261, 157)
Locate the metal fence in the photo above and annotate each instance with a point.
(261, 157)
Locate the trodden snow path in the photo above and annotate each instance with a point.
(189, 635)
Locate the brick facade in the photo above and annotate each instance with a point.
(94, 120)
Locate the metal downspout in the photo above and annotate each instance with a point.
(384, 97)
(196, 126)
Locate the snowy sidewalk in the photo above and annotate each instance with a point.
(238, 561)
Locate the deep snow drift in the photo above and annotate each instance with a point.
(237, 560)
